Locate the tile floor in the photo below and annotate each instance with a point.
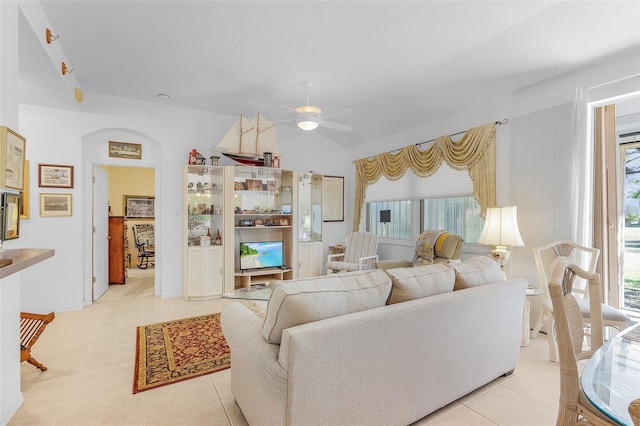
(90, 356)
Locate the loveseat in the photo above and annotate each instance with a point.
(374, 347)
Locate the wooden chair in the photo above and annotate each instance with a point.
(144, 236)
(574, 407)
(31, 327)
(585, 258)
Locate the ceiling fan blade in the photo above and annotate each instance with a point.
(288, 120)
(334, 125)
(334, 113)
(289, 108)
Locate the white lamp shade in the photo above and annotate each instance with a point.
(501, 227)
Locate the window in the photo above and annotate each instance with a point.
(398, 214)
(457, 215)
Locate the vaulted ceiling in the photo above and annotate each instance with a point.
(395, 64)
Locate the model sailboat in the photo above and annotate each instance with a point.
(249, 140)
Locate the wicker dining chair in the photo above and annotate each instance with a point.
(574, 405)
(585, 258)
(31, 327)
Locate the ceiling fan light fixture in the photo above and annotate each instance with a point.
(308, 109)
(307, 124)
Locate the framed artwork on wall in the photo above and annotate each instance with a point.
(131, 151)
(139, 207)
(12, 157)
(332, 198)
(24, 194)
(10, 216)
(55, 176)
(55, 204)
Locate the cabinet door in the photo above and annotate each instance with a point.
(310, 259)
(213, 271)
(204, 272)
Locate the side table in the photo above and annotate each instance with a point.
(526, 313)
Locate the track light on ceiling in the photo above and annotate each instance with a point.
(66, 69)
(50, 36)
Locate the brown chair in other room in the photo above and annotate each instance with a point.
(31, 327)
(144, 236)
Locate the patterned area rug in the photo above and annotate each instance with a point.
(173, 351)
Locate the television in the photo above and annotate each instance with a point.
(261, 255)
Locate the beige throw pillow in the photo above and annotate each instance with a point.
(306, 300)
(478, 270)
(420, 281)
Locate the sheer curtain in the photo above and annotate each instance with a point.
(551, 178)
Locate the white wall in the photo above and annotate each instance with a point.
(79, 137)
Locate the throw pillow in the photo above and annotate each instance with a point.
(424, 248)
(420, 281)
(307, 300)
(478, 270)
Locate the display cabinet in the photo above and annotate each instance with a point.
(310, 259)
(204, 231)
(262, 227)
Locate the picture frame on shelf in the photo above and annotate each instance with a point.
(55, 176)
(283, 221)
(254, 184)
(55, 204)
(239, 186)
(10, 216)
(258, 222)
(12, 158)
(126, 150)
(139, 206)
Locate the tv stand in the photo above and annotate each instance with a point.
(247, 278)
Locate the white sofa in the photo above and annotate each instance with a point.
(387, 365)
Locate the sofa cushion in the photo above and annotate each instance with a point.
(478, 270)
(420, 281)
(306, 300)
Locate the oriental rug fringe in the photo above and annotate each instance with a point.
(173, 351)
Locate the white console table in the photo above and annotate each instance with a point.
(11, 397)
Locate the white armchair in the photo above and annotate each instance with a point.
(360, 254)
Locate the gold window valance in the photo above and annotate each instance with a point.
(474, 152)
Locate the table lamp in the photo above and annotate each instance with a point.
(501, 230)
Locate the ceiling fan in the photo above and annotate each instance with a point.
(309, 117)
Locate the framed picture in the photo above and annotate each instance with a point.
(55, 204)
(283, 222)
(12, 157)
(24, 194)
(131, 151)
(254, 184)
(332, 198)
(239, 186)
(258, 222)
(55, 176)
(139, 207)
(10, 216)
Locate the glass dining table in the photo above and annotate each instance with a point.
(611, 378)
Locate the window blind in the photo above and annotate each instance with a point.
(446, 182)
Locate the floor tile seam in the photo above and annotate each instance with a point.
(169, 413)
(530, 397)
